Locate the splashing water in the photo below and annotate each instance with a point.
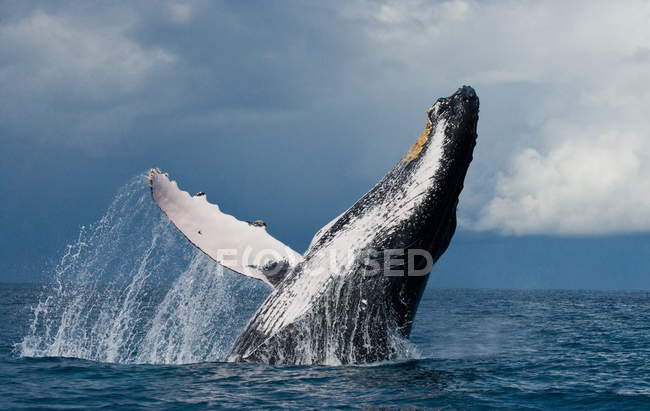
(132, 290)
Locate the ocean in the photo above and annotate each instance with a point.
(132, 316)
(473, 349)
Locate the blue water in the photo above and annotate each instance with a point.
(477, 348)
(134, 316)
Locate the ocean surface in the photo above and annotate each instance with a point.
(133, 316)
(476, 349)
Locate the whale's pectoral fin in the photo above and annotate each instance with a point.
(241, 246)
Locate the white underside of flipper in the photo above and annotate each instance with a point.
(244, 247)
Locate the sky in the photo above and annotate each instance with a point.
(289, 111)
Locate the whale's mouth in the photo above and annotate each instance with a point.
(458, 114)
(430, 179)
(463, 100)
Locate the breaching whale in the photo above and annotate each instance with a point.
(352, 296)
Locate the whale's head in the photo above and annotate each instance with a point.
(432, 173)
(414, 205)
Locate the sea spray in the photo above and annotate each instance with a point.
(131, 289)
(178, 332)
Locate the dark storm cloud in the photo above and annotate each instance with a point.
(289, 111)
(82, 72)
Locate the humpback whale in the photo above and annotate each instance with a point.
(352, 296)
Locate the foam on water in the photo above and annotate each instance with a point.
(132, 290)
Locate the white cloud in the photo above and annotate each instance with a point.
(49, 51)
(590, 185)
(570, 155)
(73, 82)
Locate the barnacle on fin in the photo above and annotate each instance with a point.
(152, 173)
(257, 223)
